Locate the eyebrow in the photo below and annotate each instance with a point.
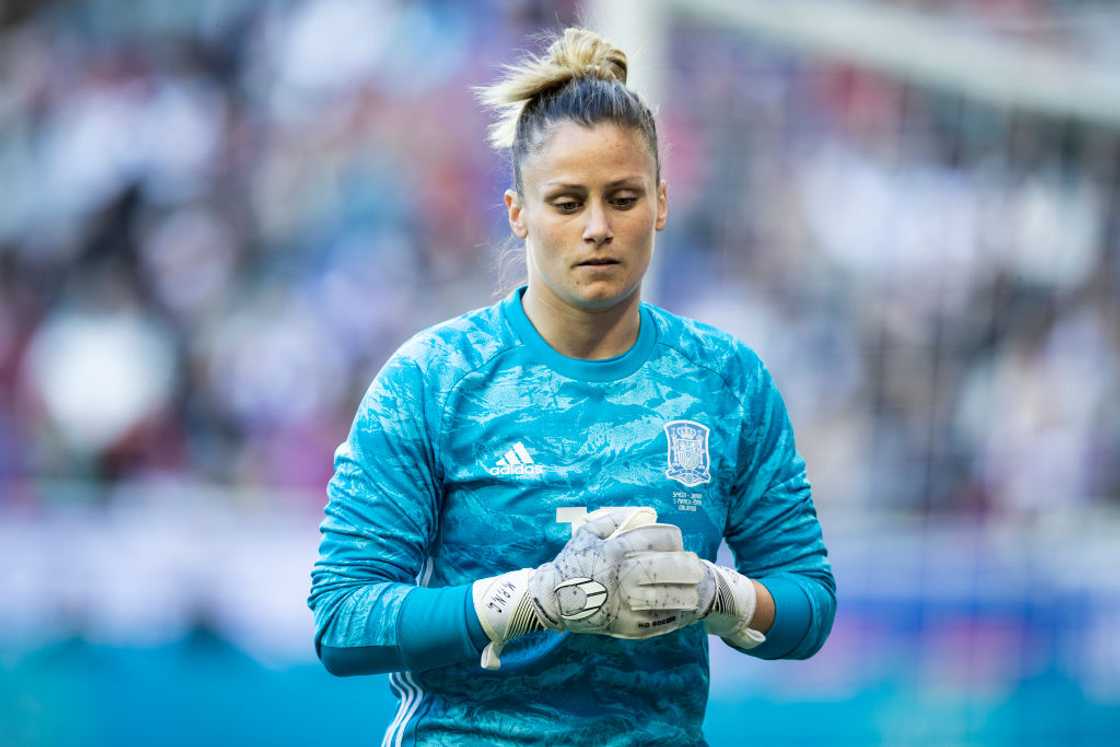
(627, 181)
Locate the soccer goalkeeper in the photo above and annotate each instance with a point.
(521, 523)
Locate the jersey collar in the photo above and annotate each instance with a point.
(608, 369)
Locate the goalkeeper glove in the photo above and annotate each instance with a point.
(731, 609)
(621, 574)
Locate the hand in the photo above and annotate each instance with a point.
(622, 574)
(660, 587)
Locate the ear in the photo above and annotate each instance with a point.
(513, 212)
(662, 205)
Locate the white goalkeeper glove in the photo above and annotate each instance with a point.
(733, 600)
(621, 574)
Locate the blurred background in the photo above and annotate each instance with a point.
(218, 218)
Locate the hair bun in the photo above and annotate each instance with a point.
(577, 53)
(586, 54)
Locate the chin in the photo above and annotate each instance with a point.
(601, 296)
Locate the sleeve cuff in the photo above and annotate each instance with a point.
(433, 630)
(793, 617)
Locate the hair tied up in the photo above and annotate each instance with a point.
(577, 53)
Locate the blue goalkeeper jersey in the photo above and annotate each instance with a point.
(475, 448)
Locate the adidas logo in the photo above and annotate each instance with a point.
(516, 461)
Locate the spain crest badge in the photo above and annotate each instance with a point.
(689, 461)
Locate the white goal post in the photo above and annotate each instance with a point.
(918, 47)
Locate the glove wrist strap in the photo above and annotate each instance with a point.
(505, 610)
(733, 608)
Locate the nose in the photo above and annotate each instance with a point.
(597, 230)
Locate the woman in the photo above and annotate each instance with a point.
(497, 500)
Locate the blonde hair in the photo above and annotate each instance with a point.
(581, 77)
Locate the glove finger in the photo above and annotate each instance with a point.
(604, 522)
(638, 517)
(661, 580)
(677, 598)
(653, 568)
(639, 624)
(651, 537)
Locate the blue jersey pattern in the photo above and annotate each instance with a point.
(471, 443)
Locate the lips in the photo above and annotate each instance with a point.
(598, 262)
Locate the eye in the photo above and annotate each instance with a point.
(624, 203)
(567, 206)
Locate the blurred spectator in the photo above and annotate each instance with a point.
(219, 221)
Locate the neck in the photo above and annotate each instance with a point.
(582, 333)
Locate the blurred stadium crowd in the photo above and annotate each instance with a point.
(219, 219)
(934, 280)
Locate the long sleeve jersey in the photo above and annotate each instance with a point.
(473, 450)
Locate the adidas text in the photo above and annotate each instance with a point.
(516, 469)
(517, 461)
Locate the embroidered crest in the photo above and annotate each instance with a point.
(688, 452)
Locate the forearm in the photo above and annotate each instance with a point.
(781, 616)
(802, 608)
(434, 628)
(763, 618)
(352, 613)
